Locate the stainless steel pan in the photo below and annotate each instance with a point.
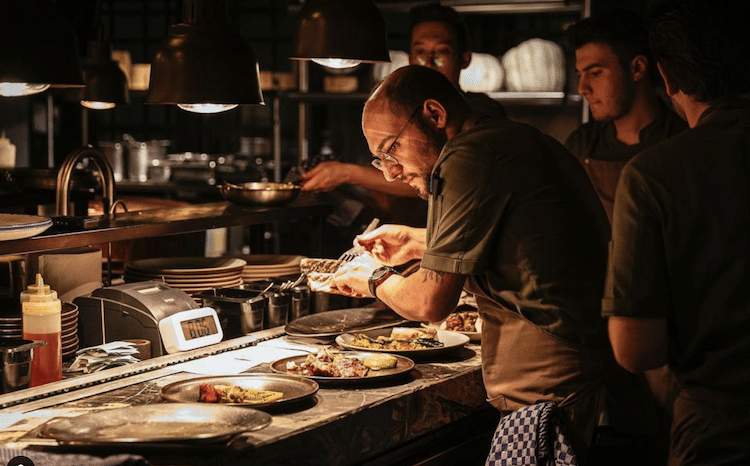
(260, 193)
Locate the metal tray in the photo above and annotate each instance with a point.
(294, 388)
(163, 422)
(333, 323)
(403, 365)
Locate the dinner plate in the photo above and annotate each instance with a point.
(473, 336)
(18, 226)
(161, 422)
(332, 323)
(403, 365)
(450, 340)
(186, 265)
(294, 388)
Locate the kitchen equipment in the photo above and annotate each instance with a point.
(351, 253)
(42, 322)
(128, 311)
(240, 311)
(333, 323)
(114, 151)
(293, 388)
(300, 302)
(259, 193)
(16, 356)
(17, 226)
(189, 274)
(161, 422)
(142, 154)
(279, 302)
(191, 329)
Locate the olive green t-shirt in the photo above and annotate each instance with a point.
(681, 247)
(513, 208)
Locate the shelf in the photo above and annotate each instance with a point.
(165, 222)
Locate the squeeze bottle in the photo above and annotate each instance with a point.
(7, 152)
(41, 321)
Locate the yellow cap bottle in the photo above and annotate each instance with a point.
(41, 322)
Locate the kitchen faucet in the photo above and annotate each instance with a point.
(66, 172)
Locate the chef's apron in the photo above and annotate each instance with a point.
(603, 175)
(710, 428)
(524, 365)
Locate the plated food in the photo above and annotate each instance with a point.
(382, 340)
(465, 320)
(344, 367)
(208, 393)
(320, 273)
(253, 386)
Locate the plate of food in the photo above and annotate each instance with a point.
(462, 320)
(336, 322)
(409, 341)
(250, 390)
(344, 366)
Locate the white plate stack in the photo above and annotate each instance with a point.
(189, 274)
(264, 266)
(69, 333)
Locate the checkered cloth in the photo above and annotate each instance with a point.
(531, 436)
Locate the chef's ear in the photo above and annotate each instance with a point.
(639, 67)
(434, 112)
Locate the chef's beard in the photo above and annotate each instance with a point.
(436, 140)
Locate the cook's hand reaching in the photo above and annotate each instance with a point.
(352, 278)
(394, 244)
(324, 177)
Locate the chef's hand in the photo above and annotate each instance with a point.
(394, 244)
(325, 177)
(352, 279)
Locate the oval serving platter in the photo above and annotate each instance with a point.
(451, 341)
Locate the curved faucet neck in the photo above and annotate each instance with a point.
(66, 173)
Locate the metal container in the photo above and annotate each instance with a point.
(114, 152)
(259, 193)
(279, 305)
(300, 302)
(16, 355)
(240, 311)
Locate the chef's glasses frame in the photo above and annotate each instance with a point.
(387, 157)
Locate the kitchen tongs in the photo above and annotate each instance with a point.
(356, 250)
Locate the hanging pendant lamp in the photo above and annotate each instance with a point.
(106, 85)
(204, 65)
(340, 33)
(39, 48)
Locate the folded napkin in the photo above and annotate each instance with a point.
(38, 458)
(96, 358)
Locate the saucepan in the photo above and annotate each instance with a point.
(259, 193)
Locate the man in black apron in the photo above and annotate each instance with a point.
(677, 281)
(512, 218)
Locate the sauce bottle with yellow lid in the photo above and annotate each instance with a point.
(41, 311)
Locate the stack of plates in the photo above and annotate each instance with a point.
(189, 274)
(264, 266)
(69, 334)
(11, 326)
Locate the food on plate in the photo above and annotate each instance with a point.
(327, 364)
(208, 393)
(463, 321)
(401, 339)
(320, 273)
(381, 361)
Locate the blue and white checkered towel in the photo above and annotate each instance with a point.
(531, 436)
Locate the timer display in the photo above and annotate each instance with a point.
(190, 329)
(200, 327)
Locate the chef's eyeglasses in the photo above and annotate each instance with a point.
(387, 157)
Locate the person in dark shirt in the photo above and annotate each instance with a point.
(677, 282)
(437, 40)
(617, 77)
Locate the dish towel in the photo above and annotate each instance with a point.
(531, 436)
(38, 458)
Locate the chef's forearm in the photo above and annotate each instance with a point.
(424, 296)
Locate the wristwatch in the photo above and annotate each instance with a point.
(378, 276)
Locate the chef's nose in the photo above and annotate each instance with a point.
(392, 172)
(583, 85)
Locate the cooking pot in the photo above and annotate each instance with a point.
(259, 193)
(15, 362)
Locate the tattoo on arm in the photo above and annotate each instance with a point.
(431, 275)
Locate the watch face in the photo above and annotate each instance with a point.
(380, 273)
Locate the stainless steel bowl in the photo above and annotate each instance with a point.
(259, 193)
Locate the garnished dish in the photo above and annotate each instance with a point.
(412, 341)
(320, 273)
(401, 339)
(344, 366)
(208, 393)
(463, 321)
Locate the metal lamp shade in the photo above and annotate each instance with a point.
(346, 29)
(39, 45)
(200, 63)
(105, 81)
